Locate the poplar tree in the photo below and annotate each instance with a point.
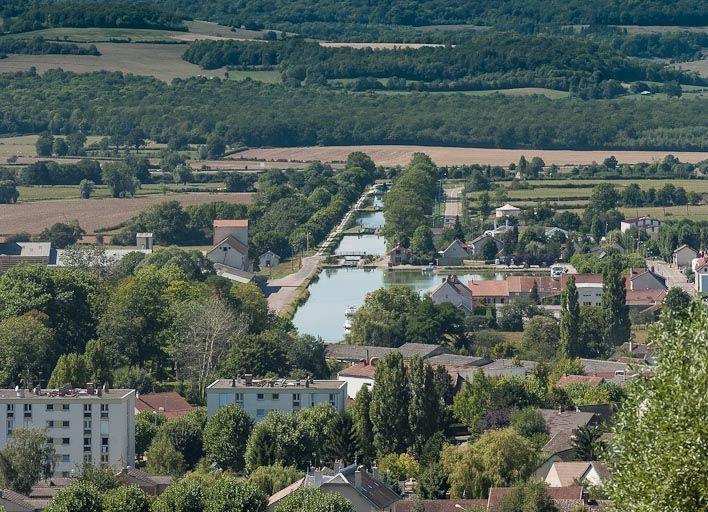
(389, 405)
(424, 408)
(342, 442)
(570, 320)
(614, 301)
(361, 416)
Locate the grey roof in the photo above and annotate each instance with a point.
(591, 366)
(20, 501)
(562, 425)
(509, 367)
(457, 360)
(347, 352)
(276, 384)
(378, 493)
(27, 249)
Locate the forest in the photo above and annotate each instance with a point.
(493, 60)
(255, 114)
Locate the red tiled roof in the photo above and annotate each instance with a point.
(361, 370)
(489, 288)
(231, 223)
(590, 380)
(169, 404)
(497, 495)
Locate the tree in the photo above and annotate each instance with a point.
(62, 235)
(259, 354)
(389, 405)
(8, 192)
(529, 497)
(361, 417)
(27, 459)
(250, 303)
(473, 401)
(86, 188)
(120, 179)
(424, 410)
(147, 425)
(70, 369)
(229, 495)
(432, 482)
(44, 145)
(586, 442)
(614, 301)
(660, 428)
(102, 477)
(541, 338)
(498, 458)
(182, 174)
(277, 439)
(590, 343)
(570, 319)
(314, 500)
(185, 495)
(489, 250)
(485, 208)
(76, 141)
(528, 422)
(203, 330)
(677, 302)
(78, 497)
(186, 435)
(235, 182)
(225, 437)
(26, 350)
(271, 479)
(163, 458)
(422, 244)
(215, 147)
(306, 354)
(60, 147)
(126, 498)
(342, 442)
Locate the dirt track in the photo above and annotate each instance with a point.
(33, 217)
(400, 155)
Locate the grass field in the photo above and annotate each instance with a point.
(92, 214)
(269, 77)
(401, 155)
(47, 193)
(520, 91)
(699, 66)
(101, 35)
(163, 61)
(659, 29)
(24, 146)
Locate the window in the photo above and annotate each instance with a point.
(66, 457)
(27, 423)
(104, 428)
(87, 426)
(87, 410)
(104, 458)
(87, 444)
(50, 407)
(28, 410)
(10, 426)
(333, 399)
(10, 407)
(239, 398)
(65, 440)
(65, 424)
(104, 410)
(87, 458)
(259, 396)
(66, 474)
(296, 399)
(104, 445)
(276, 396)
(50, 424)
(260, 412)
(64, 407)
(50, 440)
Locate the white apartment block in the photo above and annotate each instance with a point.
(90, 425)
(589, 294)
(258, 397)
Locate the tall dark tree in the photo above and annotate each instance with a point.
(364, 429)
(343, 442)
(389, 405)
(614, 301)
(570, 319)
(424, 407)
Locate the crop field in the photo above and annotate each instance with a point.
(101, 35)
(92, 214)
(659, 29)
(269, 77)
(519, 91)
(50, 192)
(378, 46)
(163, 61)
(699, 66)
(401, 155)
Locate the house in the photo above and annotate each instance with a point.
(237, 228)
(400, 255)
(454, 254)
(258, 397)
(683, 256)
(357, 376)
(568, 474)
(566, 499)
(364, 490)
(106, 415)
(13, 253)
(169, 404)
(144, 241)
(452, 291)
(645, 279)
(268, 259)
(589, 380)
(440, 505)
(638, 351)
(603, 250)
(346, 353)
(553, 232)
(476, 246)
(701, 278)
(502, 367)
(12, 501)
(649, 225)
(230, 252)
(153, 485)
(507, 211)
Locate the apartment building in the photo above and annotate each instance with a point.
(92, 425)
(258, 397)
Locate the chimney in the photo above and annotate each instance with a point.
(249, 379)
(233, 383)
(375, 471)
(630, 346)
(105, 388)
(90, 388)
(337, 466)
(357, 479)
(318, 478)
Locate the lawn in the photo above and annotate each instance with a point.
(269, 77)
(24, 145)
(45, 193)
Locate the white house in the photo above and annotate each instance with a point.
(700, 268)
(357, 376)
(455, 292)
(230, 252)
(589, 294)
(259, 397)
(567, 474)
(85, 426)
(507, 211)
(454, 255)
(648, 224)
(683, 256)
(268, 259)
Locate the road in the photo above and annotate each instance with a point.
(674, 277)
(452, 206)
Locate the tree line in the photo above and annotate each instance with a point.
(40, 46)
(42, 14)
(481, 62)
(244, 112)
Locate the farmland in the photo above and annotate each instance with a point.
(400, 155)
(92, 214)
